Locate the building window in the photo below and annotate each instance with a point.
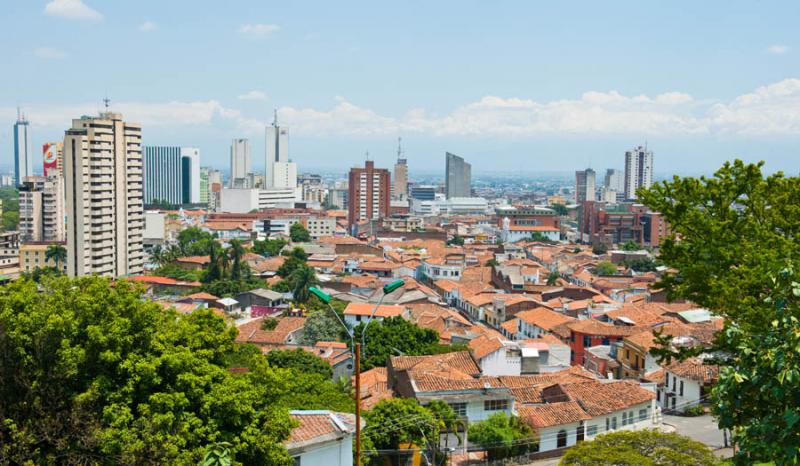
(674, 382)
(495, 405)
(587, 341)
(680, 391)
(561, 440)
(591, 431)
(666, 384)
(614, 423)
(358, 318)
(460, 409)
(624, 419)
(642, 414)
(296, 461)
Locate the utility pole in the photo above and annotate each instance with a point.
(357, 347)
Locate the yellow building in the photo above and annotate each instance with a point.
(32, 256)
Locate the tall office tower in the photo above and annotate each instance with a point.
(280, 171)
(585, 189)
(53, 158)
(613, 186)
(103, 177)
(368, 193)
(23, 158)
(171, 174)
(638, 170)
(400, 185)
(240, 160)
(41, 208)
(204, 185)
(458, 177)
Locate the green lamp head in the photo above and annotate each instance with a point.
(389, 287)
(323, 296)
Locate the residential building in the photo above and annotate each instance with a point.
(638, 170)
(321, 438)
(496, 356)
(609, 224)
(589, 332)
(246, 200)
(400, 184)
(171, 174)
(339, 197)
(585, 188)
(205, 187)
(9, 255)
(41, 208)
(614, 185)
(53, 158)
(103, 177)
(32, 256)
(688, 383)
(240, 161)
(356, 313)
(23, 158)
(281, 172)
(522, 222)
(368, 196)
(458, 176)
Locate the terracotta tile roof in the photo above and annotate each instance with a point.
(656, 376)
(460, 360)
(544, 318)
(484, 346)
(201, 260)
(202, 295)
(552, 414)
(228, 225)
(511, 326)
(271, 264)
(317, 426)
(595, 327)
(251, 332)
(362, 281)
(445, 380)
(378, 265)
(694, 369)
(156, 280)
(598, 398)
(366, 309)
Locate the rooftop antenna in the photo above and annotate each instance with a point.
(107, 103)
(367, 155)
(275, 117)
(19, 113)
(399, 148)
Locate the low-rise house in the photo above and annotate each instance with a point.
(687, 383)
(262, 300)
(544, 355)
(338, 355)
(229, 305)
(438, 268)
(355, 313)
(591, 332)
(496, 356)
(506, 307)
(200, 299)
(193, 262)
(287, 331)
(601, 360)
(539, 321)
(558, 425)
(161, 286)
(321, 438)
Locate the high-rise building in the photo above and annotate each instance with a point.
(585, 185)
(638, 170)
(53, 158)
(280, 171)
(400, 185)
(240, 160)
(41, 208)
(369, 192)
(171, 174)
(23, 158)
(613, 186)
(103, 177)
(204, 185)
(458, 177)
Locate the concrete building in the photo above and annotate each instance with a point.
(638, 170)
(103, 177)
(23, 158)
(321, 438)
(400, 184)
(171, 174)
(246, 200)
(585, 185)
(368, 196)
(32, 256)
(614, 185)
(41, 209)
(458, 176)
(280, 172)
(240, 160)
(53, 158)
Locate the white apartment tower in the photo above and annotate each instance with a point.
(41, 208)
(585, 185)
(240, 160)
(23, 158)
(280, 171)
(638, 170)
(103, 178)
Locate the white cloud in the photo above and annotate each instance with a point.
(148, 26)
(71, 9)
(777, 49)
(253, 95)
(258, 30)
(49, 53)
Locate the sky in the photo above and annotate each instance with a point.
(512, 86)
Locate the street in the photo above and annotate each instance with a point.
(701, 428)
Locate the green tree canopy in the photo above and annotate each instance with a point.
(300, 360)
(269, 247)
(605, 268)
(394, 336)
(298, 233)
(397, 421)
(735, 246)
(195, 242)
(456, 241)
(560, 209)
(321, 324)
(639, 448)
(631, 246)
(599, 249)
(92, 373)
(503, 436)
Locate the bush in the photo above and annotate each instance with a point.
(639, 448)
(696, 410)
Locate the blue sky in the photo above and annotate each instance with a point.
(511, 86)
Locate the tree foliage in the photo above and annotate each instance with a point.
(269, 247)
(195, 242)
(298, 233)
(456, 240)
(301, 361)
(631, 245)
(9, 195)
(92, 373)
(321, 324)
(639, 448)
(503, 436)
(394, 336)
(560, 209)
(398, 412)
(599, 249)
(735, 246)
(605, 268)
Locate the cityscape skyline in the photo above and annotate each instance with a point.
(559, 105)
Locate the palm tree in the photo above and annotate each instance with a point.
(57, 253)
(236, 252)
(301, 280)
(552, 279)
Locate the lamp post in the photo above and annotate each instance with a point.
(326, 298)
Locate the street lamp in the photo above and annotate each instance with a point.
(326, 298)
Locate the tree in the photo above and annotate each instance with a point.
(503, 436)
(298, 233)
(734, 245)
(301, 279)
(631, 245)
(456, 240)
(552, 279)
(540, 237)
(269, 247)
(236, 252)
(399, 421)
(321, 324)
(218, 454)
(102, 376)
(599, 249)
(301, 361)
(9, 195)
(639, 448)
(57, 253)
(195, 242)
(491, 262)
(641, 265)
(605, 268)
(394, 336)
(560, 209)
